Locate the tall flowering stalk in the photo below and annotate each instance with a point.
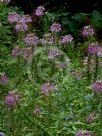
(93, 49)
(67, 42)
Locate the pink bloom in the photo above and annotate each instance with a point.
(93, 48)
(97, 86)
(26, 19)
(15, 51)
(26, 52)
(46, 87)
(39, 11)
(83, 133)
(31, 39)
(87, 31)
(13, 17)
(52, 53)
(11, 99)
(55, 27)
(21, 26)
(37, 110)
(3, 79)
(66, 39)
(47, 39)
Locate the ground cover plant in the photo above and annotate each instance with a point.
(50, 82)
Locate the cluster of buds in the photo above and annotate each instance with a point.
(83, 133)
(11, 99)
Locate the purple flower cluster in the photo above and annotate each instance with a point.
(11, 99)
(66, 39)
(20, 26)
(15, 51)
(87, 31)
(3, 78)
(93, 48)
(83, 133)
(26, 19)
(47, 39)
(46, 87)
(97, 86)
(31, 39)
(39, 11)
(26, 52)
(37, 110)
(13, 17)
(21, 21)
(55, 27)
(52, 53)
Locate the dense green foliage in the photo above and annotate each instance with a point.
(65, 107)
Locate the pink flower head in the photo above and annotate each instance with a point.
(39, 11)
(26, 18)
(11, 99)
(93, 48)
(37, 110)
(26, 52)
(55, 27)
(46, 87)
(97, 86)
(3, 78)
(66, 39)
(21, 26)
(83, 133)
(31, 39)
(15, 51)
(52, 53)
(47, 39)
(87, 31)
(13, 17)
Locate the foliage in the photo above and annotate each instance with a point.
(46, 89)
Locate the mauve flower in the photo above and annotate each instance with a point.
(97, 86)
(66, 39)
(11, 99)
(31, 39)
(52, 53)
(3, 79)
(93, 48)
(15, 51)
(87, 31)
(55, 27)
(21, 26)
(26, 18)
(46, 87)
(26, 52)
(47, 39)
(39, 11)
(83, 133)
(13, 17)
(37, 110)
